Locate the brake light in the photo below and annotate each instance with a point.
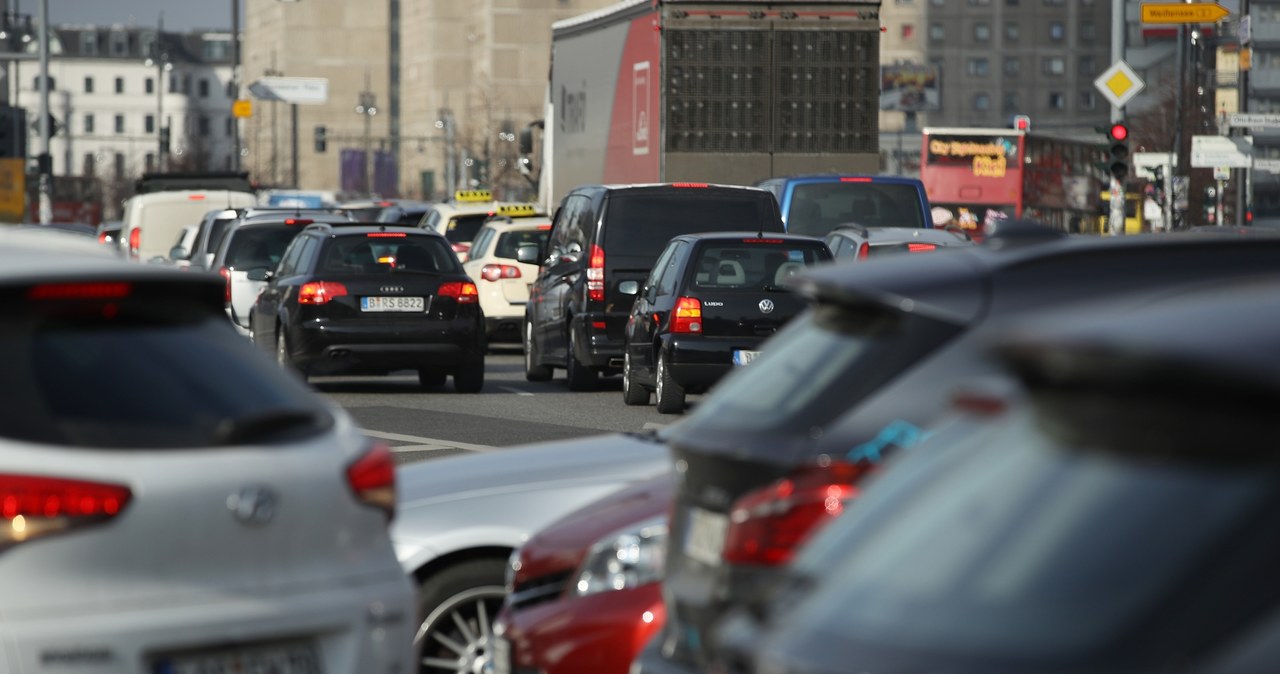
(921, 247)
(135, 240)
(864, 251)
(320, 292)
(386, 235)
(544, 227)
(80, 291)
(763, 241)
(464, 293)
(298, 221)
(195, 197)
(226, 276)
(688, 184)
(767, 525)
(372, 478)
(855, 180)
(595, 274)
(496, 272)
(102, 238)
(687, 317)
(32, 506)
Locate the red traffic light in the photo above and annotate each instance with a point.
(1119, 132)
(1022, 122)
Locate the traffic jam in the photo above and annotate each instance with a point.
(664, 414)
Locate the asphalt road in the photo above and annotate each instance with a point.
(422, 424)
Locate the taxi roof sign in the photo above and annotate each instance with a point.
(473, 195)
(517, 210)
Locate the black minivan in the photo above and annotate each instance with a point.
(603, 237)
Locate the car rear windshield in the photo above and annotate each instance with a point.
(816, 208)
(463, 228)
(363, 254)
(1013, 545)
(510, 242)
(217, 230)
(145, 375)
(822, 364)
(258, 246)
(641, 224)
(753, 263)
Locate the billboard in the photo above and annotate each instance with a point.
(910, 87)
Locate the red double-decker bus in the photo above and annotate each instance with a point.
(983, 174)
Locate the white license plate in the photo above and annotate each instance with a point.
(391, 304)
(741, 357)
(281, 659)
(704, 536)
(501, 656)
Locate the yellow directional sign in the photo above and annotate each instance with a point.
(1181, 12)
(13, 190)
(242, 108)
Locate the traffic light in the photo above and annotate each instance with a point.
(1022, 122)
(322, 139)
(13, 132)
(1118, 151)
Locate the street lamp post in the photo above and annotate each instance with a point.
(368, 107)
(160, 59)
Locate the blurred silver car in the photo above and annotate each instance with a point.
(851, 241)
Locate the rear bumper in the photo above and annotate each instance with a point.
(599, 338)
(353, 627)
(504, 328)
(697, 362)
(321, 347)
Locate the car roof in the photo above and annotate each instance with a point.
(363, 228)
(475, 207)
(890, 235)
(755, 235)
(41, 258)
(856, 177)
(503, 223)
(613, 187)
(46, 237)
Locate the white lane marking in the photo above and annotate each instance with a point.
(426, 443)
(515, 391)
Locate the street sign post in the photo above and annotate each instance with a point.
(1221, 151)
(242, 108)
(1119, 84)
(1181, 12)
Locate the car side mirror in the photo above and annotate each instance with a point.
(527, 254)
(178, 253)
(208, 260)
(629, 287)
(260, 274)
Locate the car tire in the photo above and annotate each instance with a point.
(632, 393)
(579, 376)
(670, 395)
(282, 349)
(429, 378)
(533, 370)
(469, 378)
(470, 593)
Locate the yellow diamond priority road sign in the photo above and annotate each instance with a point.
(1182, 12)
(1119, 84)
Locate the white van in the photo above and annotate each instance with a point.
(153, 221)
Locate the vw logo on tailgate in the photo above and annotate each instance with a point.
(391, 289)
(253, 505)
(766, 306)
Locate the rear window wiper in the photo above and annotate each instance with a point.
(263, 425)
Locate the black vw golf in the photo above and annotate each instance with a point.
(708, 303)
(372, 300)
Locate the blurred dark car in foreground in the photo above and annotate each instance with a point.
(773, 452)
(1120, 518)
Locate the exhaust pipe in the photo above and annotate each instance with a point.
(615, 362)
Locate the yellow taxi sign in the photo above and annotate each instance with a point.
(242, 108)
(517, 210)
(473, 195)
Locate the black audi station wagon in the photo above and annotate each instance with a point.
(372, 300)
(708, 303)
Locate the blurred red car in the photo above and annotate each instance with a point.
(584, 594)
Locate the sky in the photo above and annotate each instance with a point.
(179, 15)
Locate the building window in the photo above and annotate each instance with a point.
(1088, 32)
(982, 32)
(89, 43)
(1088, 65)
(119, 44)
(1053, 65)
(119, 123)
(204, 126)
(1088, 101)
(1057, 101)
(204, 88)
(1011, 31)
(1010, 102)
(173, 84)
(149, 161)
(119, 165)
(936, 32)
(981, 102)
(88, 85)
(186, 84)
(1012, 65)
(88, 122)
(1057, 31)
(149, 85)
(908, 31)
(149, 124)
(978, 67)
(90, 164)
(119, 85)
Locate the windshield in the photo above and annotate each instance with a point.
(463, 228)
(510, 242)
(641, 224)
(259, 246)
(816, 208)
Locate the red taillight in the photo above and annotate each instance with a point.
(921, 247)
(320, 292)
(496, 272)
(102, 238)
(853, 179)
(766, 526)
(763, 241)
(373, 479)
(544, 227)
(687, 316)
(386, 235)
(195, 197)
(80, 291)
(864, 251)
(595, 274)
(688, 184)
(135, 240)
(464, 293)
(226, 276)
(298, 222)
(32, 506)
